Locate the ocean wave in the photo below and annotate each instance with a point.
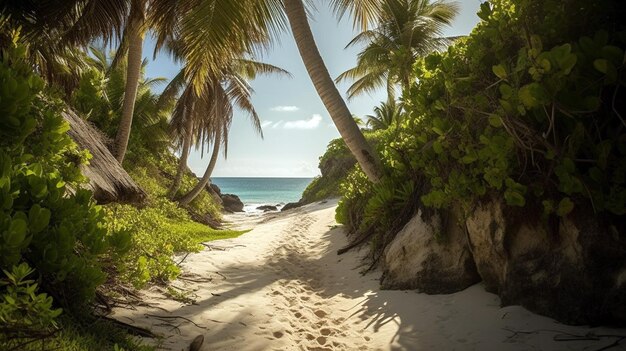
(252, 208)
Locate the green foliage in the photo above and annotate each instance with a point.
(335, 164)
(356, 190)
(46, 218)
(155, 173)
(158, 232)
(522, 110)
(528, 108)
(72, 334)
(99, 98)
(21, 307)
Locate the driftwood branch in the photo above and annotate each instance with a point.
(131, 329)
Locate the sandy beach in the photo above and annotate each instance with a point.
(282, 286)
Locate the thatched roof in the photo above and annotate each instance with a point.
(107, 179)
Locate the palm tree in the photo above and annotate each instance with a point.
(203, 119)
(385, 115)
(100, 97)
(132, 46)
(407, 30)
(212, 33)
(326, 89)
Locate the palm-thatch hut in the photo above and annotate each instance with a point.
(107, 179)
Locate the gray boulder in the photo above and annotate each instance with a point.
(232, 203)
(291, 205)
(267, 208)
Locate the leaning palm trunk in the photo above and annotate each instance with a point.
(328, 92)
(187, 198)
(182, 163)
(133, 73)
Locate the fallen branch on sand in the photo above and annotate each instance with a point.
(132, 329)
(564, 336)
(175, 317)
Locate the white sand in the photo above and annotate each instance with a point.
(282, 287)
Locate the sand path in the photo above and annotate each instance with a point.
(282, 287)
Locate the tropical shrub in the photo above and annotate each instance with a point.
(158, 232)
(528, 108)
(525, 107)
(47, 220)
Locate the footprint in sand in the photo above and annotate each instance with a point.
(317, 348)
(320, 313)
(320, 324)
(278, 334)
(325, 331)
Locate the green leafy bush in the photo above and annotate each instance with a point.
(158, 232)
(21, 307)
(528, 108)
(46, 218)
(525, 108)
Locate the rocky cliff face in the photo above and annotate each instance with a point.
(334, 169)
(430, 254)
(572, 269)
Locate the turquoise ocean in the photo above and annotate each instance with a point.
(255, 192)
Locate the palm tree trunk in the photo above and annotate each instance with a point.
(182, 163)
(326, 89)
(133, 72)
(187, 198)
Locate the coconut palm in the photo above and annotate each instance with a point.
(385, 115)
(212, 33)
(407, 30)
(211, 24)
(132, 46)
(205, 118)
(100, 98)
(326, 89)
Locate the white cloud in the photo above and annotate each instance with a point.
(266, 124)
(311, 123)
(285, 108)
(277, 124)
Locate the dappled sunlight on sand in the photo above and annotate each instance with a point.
(282, 286)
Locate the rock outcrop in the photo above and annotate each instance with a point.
(291, 205)
(232, 203)
(430, 254)
(572, 269)
(267, 208)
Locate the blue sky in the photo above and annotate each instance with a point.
(297, 127)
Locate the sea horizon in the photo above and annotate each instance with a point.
(267, 177)
(261, 191)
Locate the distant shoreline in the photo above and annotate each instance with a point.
(246, 177)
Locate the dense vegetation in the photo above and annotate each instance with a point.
(528, 108)
(116, 245)
(58, 248)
